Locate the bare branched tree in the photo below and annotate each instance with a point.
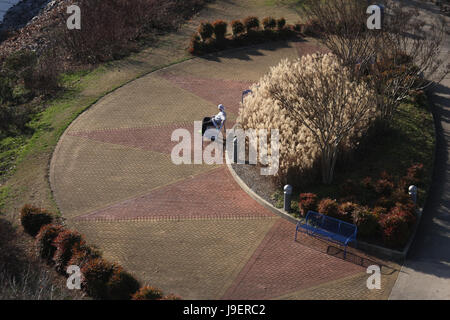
(403, 56)
(318, 92)
(342, 25)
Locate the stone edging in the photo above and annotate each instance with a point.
(371, 248)
(259, 199)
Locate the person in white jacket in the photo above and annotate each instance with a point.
(216, 121)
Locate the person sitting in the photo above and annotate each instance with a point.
(216, 121)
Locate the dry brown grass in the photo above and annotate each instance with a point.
(22, 275)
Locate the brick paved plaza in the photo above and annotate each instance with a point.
(190, 229)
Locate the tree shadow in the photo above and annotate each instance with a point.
(361, 260)
(353, 255)
(249, 52)
(430, 250)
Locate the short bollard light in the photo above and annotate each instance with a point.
(287, 197)
(235, 148)
(412, 190)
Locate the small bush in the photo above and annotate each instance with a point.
(96, 274)
(329, 208)
(33, 218)
(6, 95)
(44, 241)
(385, 175)
(408, 211)
(379, 211)
(13, 117)
(281, 23)
(121, 285)
(385, 202)
(237, 27)
(346, 211)
(148, 293)
(395, 230)
(205, 30)
(414, 175)
(311, 28)
(44, 78)
(251, 24)
(384, 187)
(419, 97)
(197, 46)
(38, 75)
(298, 27)
(308, 202)
(82, 253)
(401, 196)
(21, 63)
(65, 244)
(368, 184)
(366, 221)
(220, 29)
(269, 23)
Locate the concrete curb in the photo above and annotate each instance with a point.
(259, 199)
(391, 253)
(367, 247)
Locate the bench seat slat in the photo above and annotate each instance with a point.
(324, 233)
(328, 228)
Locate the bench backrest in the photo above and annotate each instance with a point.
(246, 92)
(330, 224)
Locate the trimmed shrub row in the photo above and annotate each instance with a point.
(61, 248)
(44, 241)
(392, 227)
(211, 37)
(390, 219)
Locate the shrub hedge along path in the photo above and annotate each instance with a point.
(190, 229)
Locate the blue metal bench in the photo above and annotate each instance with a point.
(328, 228)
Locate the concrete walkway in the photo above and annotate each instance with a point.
(426, 273)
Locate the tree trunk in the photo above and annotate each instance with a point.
(329, 156)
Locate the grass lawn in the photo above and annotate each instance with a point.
(411, 140)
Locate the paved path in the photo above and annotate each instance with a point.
(426, 273)
(190, 229)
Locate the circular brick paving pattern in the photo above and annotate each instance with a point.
(190, 229)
